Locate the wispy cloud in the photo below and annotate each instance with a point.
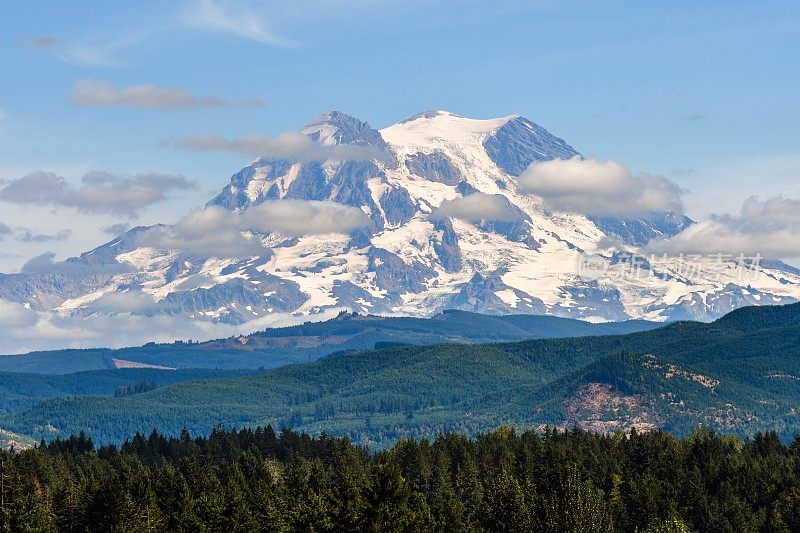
(133, 301)
(99, 192)
(684, 171)
(27, 235)
(101, 52)
(22, 234)
(96, 93)
(23, 330)
(595, 187)
(477, 206)
(234, 18)
(116, 229)
(289, 145)
(768, 227)
(46, 264)
(215, 231)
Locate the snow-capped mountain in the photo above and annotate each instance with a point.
(413, 258)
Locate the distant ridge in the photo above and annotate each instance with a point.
(300, 344)
(721, 375)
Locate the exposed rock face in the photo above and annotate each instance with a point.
(519, 142)
(434, 166)
(638, 231)
(408, 261)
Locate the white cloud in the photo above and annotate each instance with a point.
(123, 302)
(778, 210)
(770, 228)
(15, 315)
(477, 206)
(235, 19)
(23, 330)
(304, 217)
(216, 231)
(597, 187)
(46, 264)
(100, 192)
(221, 241)
(96, 93)
(289, 145)
(116, 229)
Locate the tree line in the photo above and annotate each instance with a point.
(549, 481)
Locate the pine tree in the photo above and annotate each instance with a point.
(504, 506)
(70, 506)
(389, 502)
(448, 510)
(672, 524)
(238, 517)
(577, 506)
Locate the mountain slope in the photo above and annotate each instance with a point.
(413, 259)
(304, 343)
(720, 374)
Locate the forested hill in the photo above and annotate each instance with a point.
(306, 342)
(503, 481)
(739, 374)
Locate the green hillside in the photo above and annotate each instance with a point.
(19, 392)
(739, 374)
(307, 342)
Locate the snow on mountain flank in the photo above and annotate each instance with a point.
(411, 260)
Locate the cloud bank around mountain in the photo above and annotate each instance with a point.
(593, 187)
(216, 231)
(96, 93)
(134, 301)
(46, 264)
(289, 145)
(23, 330)
(15, 315)
(768, 227)
(477, 206)
(99, 192)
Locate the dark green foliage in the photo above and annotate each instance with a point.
(19, 391)
(549, 482)
(136, 388)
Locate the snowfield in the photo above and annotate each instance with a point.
(410, 260)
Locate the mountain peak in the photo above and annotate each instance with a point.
(334, 118)
(427, 246)
(429, 114)
(335, 127)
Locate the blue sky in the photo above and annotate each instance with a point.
(705, 93)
